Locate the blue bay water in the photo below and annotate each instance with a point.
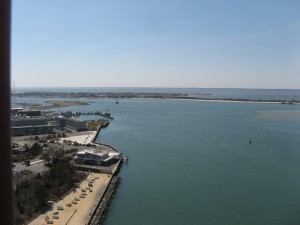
(190, 162)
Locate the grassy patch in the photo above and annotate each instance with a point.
(93, 125)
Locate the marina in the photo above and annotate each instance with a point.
(96, 113)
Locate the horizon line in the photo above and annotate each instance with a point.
(150, 87)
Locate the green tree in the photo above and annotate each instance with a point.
(36, 138)
(35, 149)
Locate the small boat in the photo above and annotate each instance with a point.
(117, 102)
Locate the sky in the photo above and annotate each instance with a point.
(156, 43)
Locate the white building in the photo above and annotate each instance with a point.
(96, 157)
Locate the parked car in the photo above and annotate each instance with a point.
(27, 162)
(26, 171)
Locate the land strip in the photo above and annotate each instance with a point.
(154, 95)
(53, 104)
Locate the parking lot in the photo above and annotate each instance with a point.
(21, 171)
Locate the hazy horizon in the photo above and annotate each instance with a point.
(32, 87)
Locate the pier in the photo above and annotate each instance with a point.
(97, 113)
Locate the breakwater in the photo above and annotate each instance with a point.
(97, 113)
(99, 215)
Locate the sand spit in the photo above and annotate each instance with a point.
(53, 104)
(239, 101)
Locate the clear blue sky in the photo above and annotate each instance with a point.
(156, 43)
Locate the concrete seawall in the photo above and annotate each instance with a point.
(98, 131)
(99, 214)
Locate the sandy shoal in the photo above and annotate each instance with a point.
(54, 104)
(239, 101)
(78, 214)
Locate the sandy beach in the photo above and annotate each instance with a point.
(80, 211)
(229, 100)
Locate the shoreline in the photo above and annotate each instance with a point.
(94, 206)
(95, 135)
(136, 95)
(53, 104)
(239, 101)
(79, 213)
(65, 104)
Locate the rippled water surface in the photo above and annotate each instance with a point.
(190, 162)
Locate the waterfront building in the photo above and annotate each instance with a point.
(27, 113)
(23, 120)
(22, 125)
(72, 123)
(68, 114)
(16, 110)
(96, 157)
(32, 130)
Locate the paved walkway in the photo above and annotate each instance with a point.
(82, 137)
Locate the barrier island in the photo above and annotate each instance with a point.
(145, 95)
